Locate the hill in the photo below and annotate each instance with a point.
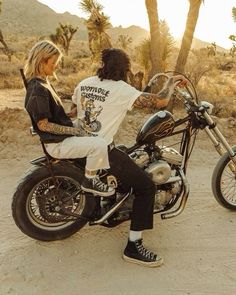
(32, 18)
(29, 17)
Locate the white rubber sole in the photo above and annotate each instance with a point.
(100, 194)
(157, 263)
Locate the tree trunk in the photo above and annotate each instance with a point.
(152, 12)
(188, 35)
(6, 49)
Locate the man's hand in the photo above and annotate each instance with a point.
(180, 81)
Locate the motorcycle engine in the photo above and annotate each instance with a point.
(171, 155)
(159, 171)
(140, 157)
(163, 197)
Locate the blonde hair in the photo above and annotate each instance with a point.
(39, 54)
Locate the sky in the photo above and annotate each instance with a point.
(215, 21)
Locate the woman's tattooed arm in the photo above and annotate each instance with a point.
(53, 128)
(156, 101)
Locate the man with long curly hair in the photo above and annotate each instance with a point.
(113, 96)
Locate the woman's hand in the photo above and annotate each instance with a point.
(73, 112)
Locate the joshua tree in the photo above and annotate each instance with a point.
(144, 56)
(234, 13)
(124, 41)
(211, 49)
(233, 37)
(155, 46)
(63, 36)
(167, 43)
(194, 7)
(144, 49)
(97, 24)
(232, 50)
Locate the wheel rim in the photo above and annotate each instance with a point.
(228, 186)
(42, 203)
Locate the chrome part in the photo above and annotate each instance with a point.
(140, 157)
(183, 197)
(163, 197)
(173, 179)
(220, 143)
(215, 142)
(159, 171)
(207, 106)
(43, 206)
(112, 181)
(112, 211)
(171, 156)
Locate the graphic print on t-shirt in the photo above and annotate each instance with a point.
(90, 122)
(102, 105)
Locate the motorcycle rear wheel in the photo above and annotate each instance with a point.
(224, 183)
(35, 202)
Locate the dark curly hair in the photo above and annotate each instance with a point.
(115, 65)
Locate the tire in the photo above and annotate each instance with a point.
(36, 195)
(224, 183)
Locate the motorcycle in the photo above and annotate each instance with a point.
(49, 204)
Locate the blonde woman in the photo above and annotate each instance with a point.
(54, 127)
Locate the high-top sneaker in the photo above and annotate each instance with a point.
(97, 187)
(136, 253)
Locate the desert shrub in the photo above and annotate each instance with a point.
(9, 73)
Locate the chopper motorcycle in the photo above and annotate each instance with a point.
(49, 204)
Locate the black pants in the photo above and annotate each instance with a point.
(144, 189)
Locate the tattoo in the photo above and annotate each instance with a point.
(156, 101)
(53, 128)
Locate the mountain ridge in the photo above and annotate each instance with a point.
(33, 18)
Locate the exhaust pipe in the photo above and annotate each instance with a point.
(183, 201)
(112, 211)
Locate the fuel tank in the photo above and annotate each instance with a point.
(156, 127)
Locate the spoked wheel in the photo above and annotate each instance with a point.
(50, 209)
(224, 183)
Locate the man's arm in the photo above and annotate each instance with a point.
(161, 99)
(53, 128)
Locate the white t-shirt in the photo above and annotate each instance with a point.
(102, 105)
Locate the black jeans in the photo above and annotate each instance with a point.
(144, 189)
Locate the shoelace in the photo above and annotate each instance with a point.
(102, 186)
(146, 253)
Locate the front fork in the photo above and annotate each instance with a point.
(220, 143)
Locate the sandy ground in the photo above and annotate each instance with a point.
(198, 246)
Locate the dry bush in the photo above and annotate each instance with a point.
(220, 90)
(9, 73)
(213, 84)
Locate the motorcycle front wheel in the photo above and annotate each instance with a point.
(224, 183)
(50, 209)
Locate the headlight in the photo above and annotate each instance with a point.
(208, 106)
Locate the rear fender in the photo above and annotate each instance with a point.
(42, 161)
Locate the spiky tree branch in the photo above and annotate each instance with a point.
(97, 24)
(63, 36)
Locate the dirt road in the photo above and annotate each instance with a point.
(198, 246)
